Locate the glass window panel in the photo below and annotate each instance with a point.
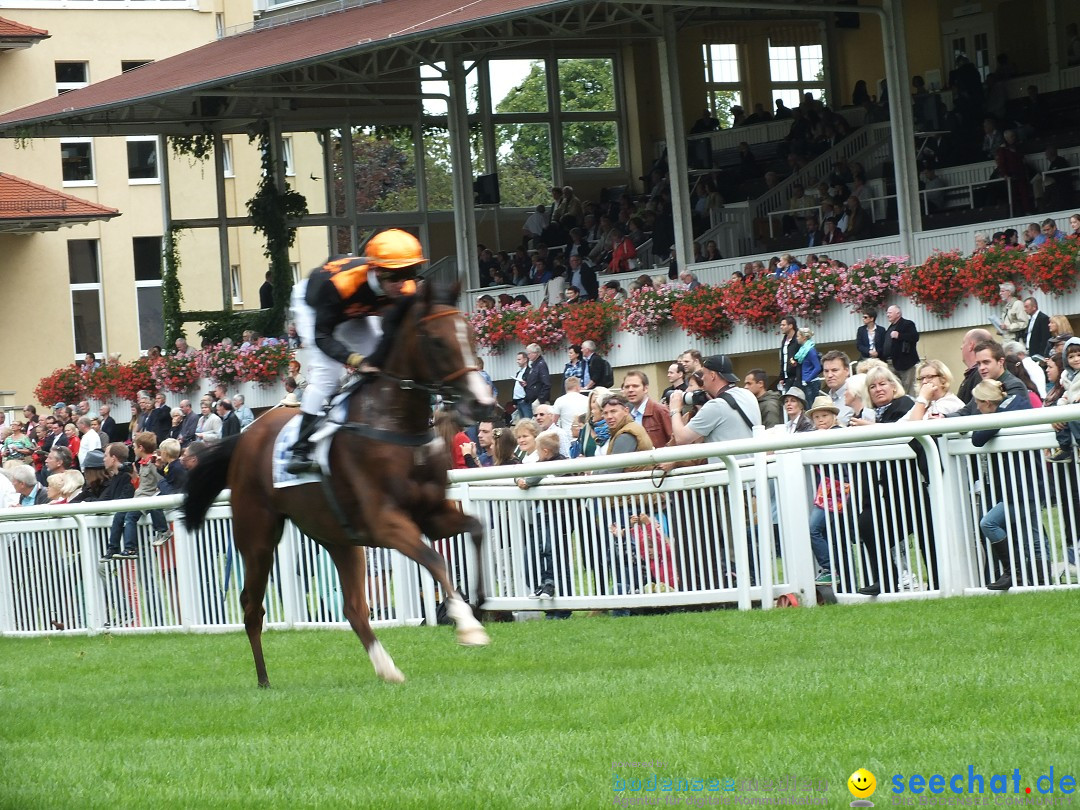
(151, 318)
(86, 319)
(783, 64)
(431, 82)
(724, 63)
(523, 157)
(721, 102)
(472, 87)
(71, 72)
(792, 97)
(586, 85)
(811, 63)
(76, 161)
(142, 160)
(384, 169)
(146, 251)
(518, 85)
(83, 261)
(591, 145)
(126, 65)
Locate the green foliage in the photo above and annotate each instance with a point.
(710, 695)
(272, 210)
(172, 295)
(223, 323)
(197, 147)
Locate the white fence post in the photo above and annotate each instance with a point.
(794, 511)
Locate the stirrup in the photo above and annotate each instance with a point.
(301, 463)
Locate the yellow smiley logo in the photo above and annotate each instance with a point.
(862, 784)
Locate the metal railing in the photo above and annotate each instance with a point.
(737, 532)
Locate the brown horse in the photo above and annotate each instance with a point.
(388, 480)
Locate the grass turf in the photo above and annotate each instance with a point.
(539, 718)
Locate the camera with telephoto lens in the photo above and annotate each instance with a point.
(698, 398)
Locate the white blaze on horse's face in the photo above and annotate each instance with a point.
(479, 389)
(465, 343)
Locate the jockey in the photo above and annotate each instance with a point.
(338, 312)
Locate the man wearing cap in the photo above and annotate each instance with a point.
(830, 497)
(730, 414)
(338, 314)
(795, 410)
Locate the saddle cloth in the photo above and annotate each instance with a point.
(286, 438)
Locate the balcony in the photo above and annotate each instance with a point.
(837, 326)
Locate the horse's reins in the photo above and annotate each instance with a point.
(442, 387)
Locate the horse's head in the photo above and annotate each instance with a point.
(445, 359)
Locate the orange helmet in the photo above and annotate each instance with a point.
(394, 249)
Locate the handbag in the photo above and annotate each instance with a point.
(831, 495)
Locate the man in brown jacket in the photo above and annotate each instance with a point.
(655, 419)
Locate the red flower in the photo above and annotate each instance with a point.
(935, 284)
(702, 313)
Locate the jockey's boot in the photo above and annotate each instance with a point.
(301, 451)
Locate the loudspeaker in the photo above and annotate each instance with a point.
(486, 190)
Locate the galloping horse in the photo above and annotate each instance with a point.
(388, 484)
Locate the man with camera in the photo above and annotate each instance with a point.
(730, 413)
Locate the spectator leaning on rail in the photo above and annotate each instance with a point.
(1068, 434)
(830, 496)
(934, 400)
(990, 361)
(895, 502)
(1017, 485)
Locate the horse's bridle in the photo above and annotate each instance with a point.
(442, 387)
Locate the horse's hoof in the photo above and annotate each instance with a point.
(473, 637)
(264, 684)
(393, 676)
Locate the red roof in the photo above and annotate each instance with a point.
(25, 201)
(9, 29)
(263, 50)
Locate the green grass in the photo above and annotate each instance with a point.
(537, 719)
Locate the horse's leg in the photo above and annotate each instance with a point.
(397, 531)
(351, 563)
(256, 531)
(448, 520)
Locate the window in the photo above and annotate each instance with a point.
(590, 126)
(71, 76)
(287, 156)
(723, 80)
(234, 281)
(219, 25)
(146, 252)
(294, 268)
(142, 160)
(84, 277)
(226, 158)
(131, 65)
(77, 162)
(796, 70)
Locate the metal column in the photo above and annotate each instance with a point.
(457, 121)
(222, 217)
(674, 134)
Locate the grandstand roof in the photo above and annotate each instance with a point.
(16, 35)
(308, 72)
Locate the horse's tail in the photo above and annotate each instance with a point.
(206, 481)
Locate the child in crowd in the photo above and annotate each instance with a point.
(119, 487)
(173, 477)
(149, 477)
(1068, 435)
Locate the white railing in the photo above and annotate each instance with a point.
(768, 132)
(713, 534)
(865, 139)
